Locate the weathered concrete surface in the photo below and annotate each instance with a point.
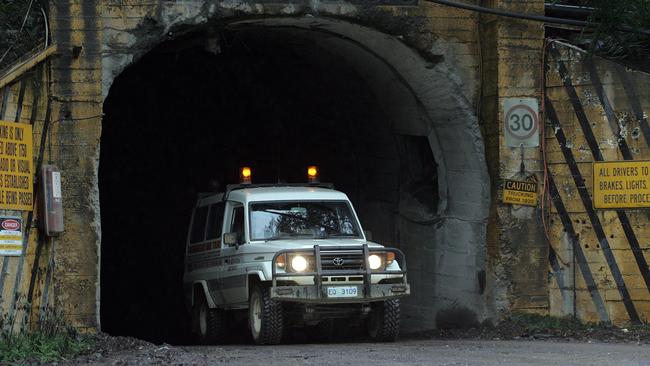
(429, 49)
(613, 102)
(512, 67)
(23, 279)
(434, 70)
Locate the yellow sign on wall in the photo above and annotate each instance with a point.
(622, 184)
(16, 166)
(520, 192)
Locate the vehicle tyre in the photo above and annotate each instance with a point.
(210, 324)
(384, 321)
(265, 317)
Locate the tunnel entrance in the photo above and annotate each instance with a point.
(190, 112)
(388, 125)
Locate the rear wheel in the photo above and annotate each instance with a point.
(265, 317)
(210, 324)
(384, 321)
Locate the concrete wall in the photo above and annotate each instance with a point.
(98, 39)
(512, 67)
(597, 110)
(459, 65)
(26, 280)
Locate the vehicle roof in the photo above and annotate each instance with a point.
(256, 194)
(273, 193)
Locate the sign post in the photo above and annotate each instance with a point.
(521, 122)
(16, 166)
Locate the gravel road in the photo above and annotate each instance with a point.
(405, 352)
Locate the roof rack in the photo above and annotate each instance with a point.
(235, 187)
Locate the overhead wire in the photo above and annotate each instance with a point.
(29, 8)
(533, 17)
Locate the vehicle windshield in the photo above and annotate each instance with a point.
(300, 220)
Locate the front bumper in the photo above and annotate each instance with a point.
(312, 294)
(367, 291)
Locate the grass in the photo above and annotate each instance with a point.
(37, 347)
(539, 323)
(52, 339)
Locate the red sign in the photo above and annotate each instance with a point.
(10, 224)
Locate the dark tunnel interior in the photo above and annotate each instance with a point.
(185, 116)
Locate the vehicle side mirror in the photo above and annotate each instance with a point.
(230, 239)
(368, 234)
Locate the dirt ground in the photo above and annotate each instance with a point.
(508, 344)
(404, 352)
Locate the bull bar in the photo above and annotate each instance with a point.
(371, 292)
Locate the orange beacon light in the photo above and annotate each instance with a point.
(245, 174)
(312, 174)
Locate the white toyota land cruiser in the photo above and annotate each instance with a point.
(293, 255)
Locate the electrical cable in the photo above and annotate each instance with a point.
(546, 197)
(29, 8)
(569, 10)
(47, 27)
(538, 18)
(78, 119)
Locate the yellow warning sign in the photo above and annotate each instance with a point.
(520, 192)
(622, 184)
(16, 166)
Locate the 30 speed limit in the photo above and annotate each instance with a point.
(521, 122)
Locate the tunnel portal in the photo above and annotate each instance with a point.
(184, 117)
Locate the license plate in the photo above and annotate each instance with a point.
(342, 291)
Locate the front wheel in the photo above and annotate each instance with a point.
(384, 321)
(210, 324)
(265, 317)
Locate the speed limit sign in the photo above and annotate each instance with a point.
(521, 122)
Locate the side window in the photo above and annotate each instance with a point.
(237, 224)
(215, 221)
(198, 224)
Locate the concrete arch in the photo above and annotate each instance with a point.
(446, 251)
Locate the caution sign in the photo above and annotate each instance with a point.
(520, 193)
(11, 236)
(16, 166)
(622, 184)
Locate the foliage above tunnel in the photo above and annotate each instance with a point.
(22, 28)
(608, 37)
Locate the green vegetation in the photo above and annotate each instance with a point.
(36, 347)
(22, 28)
(52, 340)
(608, 38)
(534, 323)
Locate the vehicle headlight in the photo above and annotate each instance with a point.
(299, 263)
(374, 261)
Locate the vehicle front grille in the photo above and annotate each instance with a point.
(341, 261)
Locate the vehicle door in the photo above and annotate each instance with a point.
(213, 231)
(203, 250)
(233, 277)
